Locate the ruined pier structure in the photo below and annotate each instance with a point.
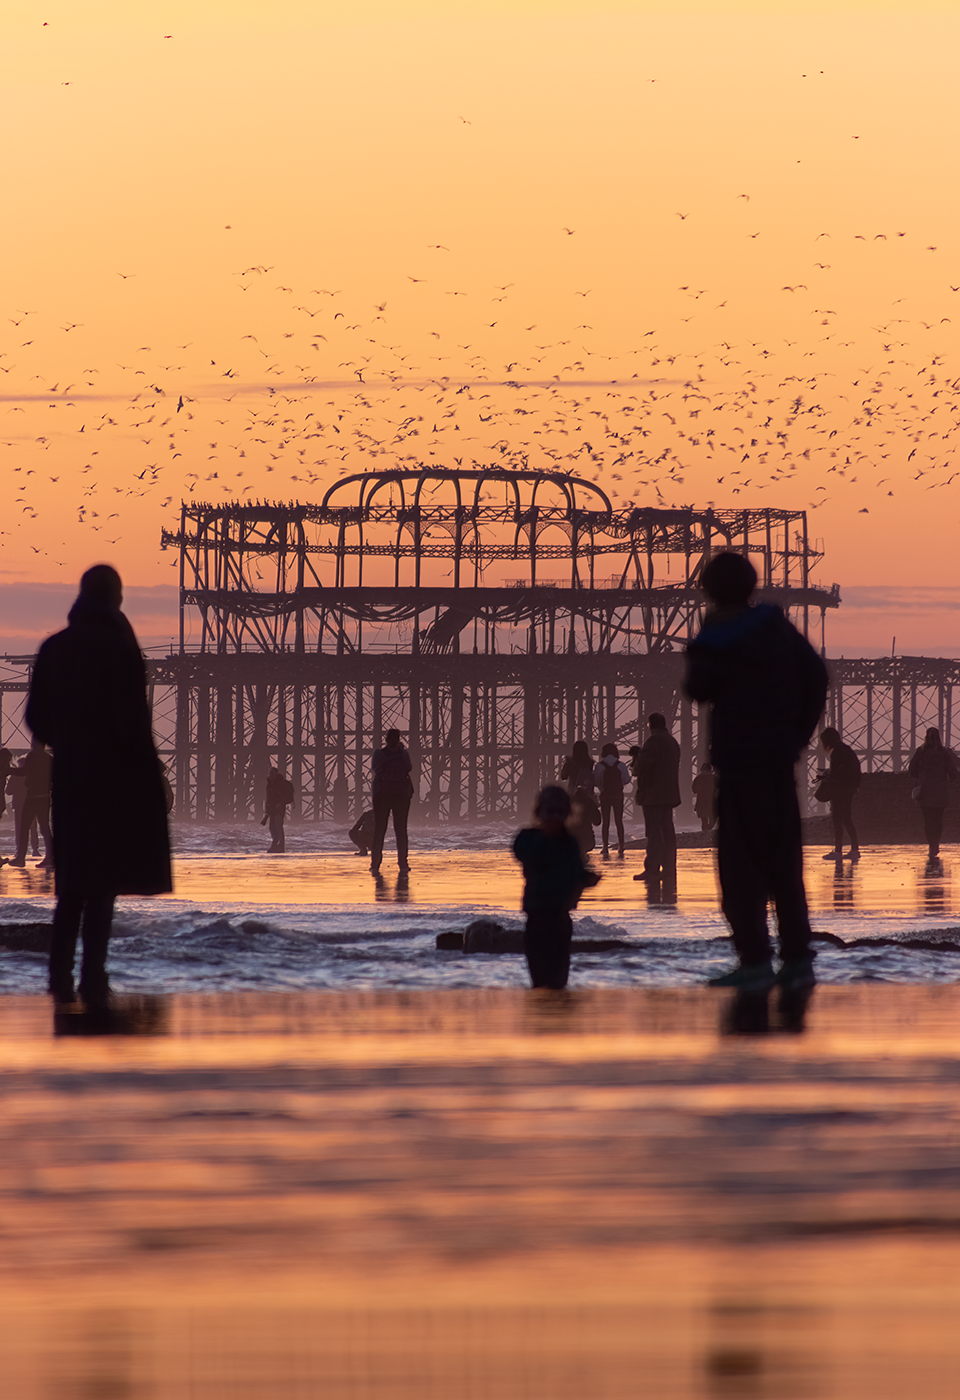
(493, 617)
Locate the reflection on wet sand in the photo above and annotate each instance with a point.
(485, 1193)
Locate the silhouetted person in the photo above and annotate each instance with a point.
(36, 804)
(17, 792)
(361, 833)
(279, 796)
(554, 878)
(392, 794)
(705, 797)
(610, 777)
(934, 768)
(844, 780)
(577, 770)
(88, 701)
(657, 770)
(767, 687)
(584, 816)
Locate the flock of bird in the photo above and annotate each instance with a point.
(322, 384)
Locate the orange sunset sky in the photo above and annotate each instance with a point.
(701, 253)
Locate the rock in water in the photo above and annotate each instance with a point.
(486, 936)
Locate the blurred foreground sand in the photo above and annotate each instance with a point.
(482, 1193)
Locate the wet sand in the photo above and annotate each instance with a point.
(482, 1193)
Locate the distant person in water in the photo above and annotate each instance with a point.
(577, 770)
(361, 833)
(657, 770)
(279, 796)
(933, 769)
(844, 780)
(766, 686)
(554, 878)
(392, 795)
(610, 778)
(705, 797)
(35, 811)
(88, 701)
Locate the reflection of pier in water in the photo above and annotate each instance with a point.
(308, 630)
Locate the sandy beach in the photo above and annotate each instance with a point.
(482, 1192)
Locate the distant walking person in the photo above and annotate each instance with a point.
(657, 770)
(610, 777)
(88, 701)
(934, 768)
(280, 795)
(392, 795)
(705, 797)
(35, 810)
(554, 878)
(844, 781)
(577, 770)
(767, 687)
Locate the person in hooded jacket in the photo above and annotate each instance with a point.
(88, 701)
(933, 768)
(610, 777)
(767, 688)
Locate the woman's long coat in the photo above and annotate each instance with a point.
(88, 701)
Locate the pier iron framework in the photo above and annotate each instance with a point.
(493, 617)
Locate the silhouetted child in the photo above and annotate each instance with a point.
(554, 879)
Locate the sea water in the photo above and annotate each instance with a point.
(314, 917)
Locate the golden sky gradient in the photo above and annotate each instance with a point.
(698, 252)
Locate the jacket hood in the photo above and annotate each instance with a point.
(724, 627)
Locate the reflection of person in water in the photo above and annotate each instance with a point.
(88, 701)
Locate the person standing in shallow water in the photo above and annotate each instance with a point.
(392, 795)
(279, 796)
(554, 878)
(610, 777)
(767, 688)
(88, 701)
(844, 781)
(933, 769)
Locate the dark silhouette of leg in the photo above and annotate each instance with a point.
(401, 812)
(742, 885)
(97, 918)
(63, 946)
(546, 942)
(605, 805)
(617, 808)
(381, 813)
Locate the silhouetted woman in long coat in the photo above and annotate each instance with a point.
(88, 701)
